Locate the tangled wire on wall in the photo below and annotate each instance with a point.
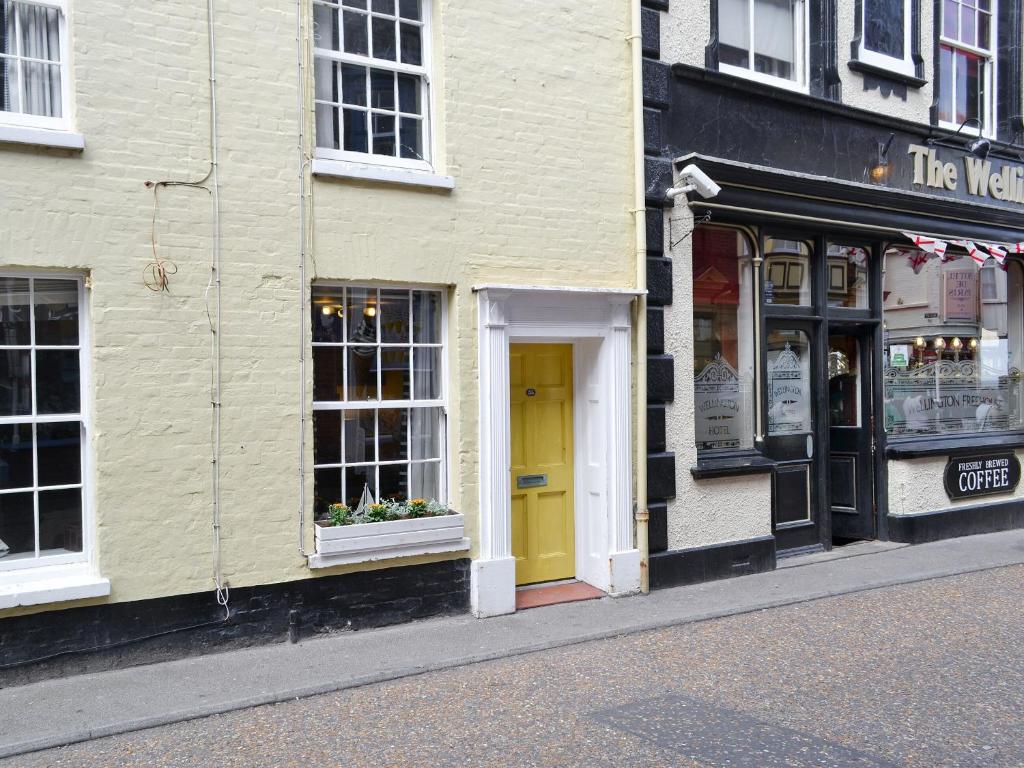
(156, 275)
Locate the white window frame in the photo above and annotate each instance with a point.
(801, 49)
(444, 460)
(988, 118)
(63, 122)
(426, 93)
(904, 66)
(84, 416)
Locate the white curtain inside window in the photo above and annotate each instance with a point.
(31, 81)
(734, 23)
(774, 29)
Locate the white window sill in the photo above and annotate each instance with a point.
(41, 137)
(347, 170)
(54, 584)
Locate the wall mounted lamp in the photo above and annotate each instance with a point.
(979, 147)
(880, 170)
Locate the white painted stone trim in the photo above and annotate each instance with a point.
(42, 137)
(344, 169)
(367, 542)
(51, 584)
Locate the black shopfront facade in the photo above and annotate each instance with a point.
(864, 360)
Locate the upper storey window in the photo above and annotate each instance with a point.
(765, 40)
(33, 64)
(371, 81)
(966, 65)
(885, 37)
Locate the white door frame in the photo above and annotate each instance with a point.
(597, 323)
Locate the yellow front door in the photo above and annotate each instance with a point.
(540, 385)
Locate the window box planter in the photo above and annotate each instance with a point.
(366, 542)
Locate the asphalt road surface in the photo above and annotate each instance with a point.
(928, 674)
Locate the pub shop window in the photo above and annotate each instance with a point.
(764, 40)
(884, 37)
(723, 333)
(966, 66)
(378, 395)
(954, 346)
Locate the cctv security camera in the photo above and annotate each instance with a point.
(694, 180)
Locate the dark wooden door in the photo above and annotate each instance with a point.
(850, 475)
(794, 435)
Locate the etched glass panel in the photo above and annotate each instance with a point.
(789, 383)
(884, 27)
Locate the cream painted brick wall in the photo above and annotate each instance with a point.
(535, 117)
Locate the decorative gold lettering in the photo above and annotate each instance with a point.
(977, 175)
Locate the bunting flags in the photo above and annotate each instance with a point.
(974, 252)
(932, 247)
(928, 244)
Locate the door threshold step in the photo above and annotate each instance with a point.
(534, 596)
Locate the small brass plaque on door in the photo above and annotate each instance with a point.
(531, 481)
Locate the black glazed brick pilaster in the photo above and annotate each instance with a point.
(656, 78)
(659, 281)
(656, 429)
(655, 231)
(655, 331)
(102, 637)
(657, 527)
(660, 379)
(657, 5)
(653, 140)
(650, 32)
(661, 476)
(657, 179)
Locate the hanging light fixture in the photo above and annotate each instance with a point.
(979, 147)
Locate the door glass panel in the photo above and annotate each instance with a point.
(787, 272)
(789, 383)
(847, 281)
(843, 382)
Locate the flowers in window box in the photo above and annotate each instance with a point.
(417, 508)
(340, 514)
(377, 513)
(386, 511)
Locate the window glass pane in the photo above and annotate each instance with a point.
(394, 316)
(426, 433)
(883, 27)
(357, 39)
(326, 490)
(325, 32)
(15, 382)
(383, 39)
(847, 271)
(56, 311)
(984, 28)
(787, 271)
(411, 138)
(41, 90)
(409, 9)
(324, 80)
(734, 32)
(953, 345)
(969, 87)
(327, 134)
(16, 456)
(60, 453)
(360, 436)
(723, 339)
(426, 317)
(40, 31)
(950, 16)
(382, 89)
(10, 99)
(14, 311)
(789, 383)
(394, 482)
(774, 44)
(353, 84)
(358, 479)
(945, 84)
(17, 526)
(409, 94)
(57, 381)
(60, 522)
(968, 30)
(362, 373)
(394, 373)
(383, 135)
(361, 310)
(412, 45)
(326, 437)
(384, 6)
(328, 324)
(424, 481)
(356, 139)
(327, 372)
(354, 3)
(844, 396)
(427, 371)
(393, 434)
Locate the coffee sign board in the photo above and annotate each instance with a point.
(985, 475)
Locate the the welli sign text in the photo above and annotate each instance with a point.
(1005, 183)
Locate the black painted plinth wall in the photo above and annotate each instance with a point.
(661, 483)
(101, 637)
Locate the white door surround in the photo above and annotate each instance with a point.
(597, 323)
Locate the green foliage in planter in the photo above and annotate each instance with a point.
(388, 510)
(340, 514)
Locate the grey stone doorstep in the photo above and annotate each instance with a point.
(64, 711)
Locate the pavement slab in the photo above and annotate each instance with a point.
(69, 710)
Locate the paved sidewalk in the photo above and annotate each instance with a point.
(57, 712)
